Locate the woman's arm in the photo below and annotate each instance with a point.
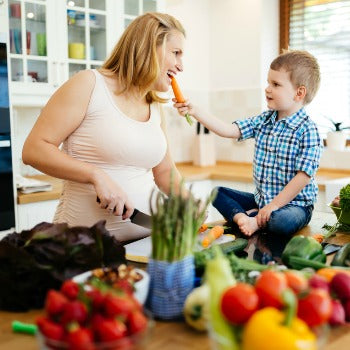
(60, 117)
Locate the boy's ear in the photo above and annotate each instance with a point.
(301, 93)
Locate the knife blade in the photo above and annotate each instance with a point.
(141, 219)
(137, 217)
(329, 248)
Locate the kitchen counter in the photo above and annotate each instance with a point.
(227, 171)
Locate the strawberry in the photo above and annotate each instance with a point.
(55, 302)
(110, 330)
(49, 328)
(137, 322)
(70, 289)
(124, 285)
(80, 339)
(74, 311)
(115, 305)
(97, 299)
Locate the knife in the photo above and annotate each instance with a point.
(329, 248)
(137, 217)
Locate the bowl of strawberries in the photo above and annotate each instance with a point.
(99, 317)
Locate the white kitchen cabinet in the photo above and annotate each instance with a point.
(31, 214)
(52, 40)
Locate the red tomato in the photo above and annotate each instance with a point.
(269, 287)
(239, 302)
(315, 308)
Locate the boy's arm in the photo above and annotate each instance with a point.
(290, 191)
(211, 122)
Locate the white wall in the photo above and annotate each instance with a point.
(230, 44)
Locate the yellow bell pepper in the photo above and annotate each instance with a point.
(266, 330)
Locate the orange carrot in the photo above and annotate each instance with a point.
(179, 96)
(203, 228)
(212, 235)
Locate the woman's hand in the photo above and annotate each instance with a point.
(264, 214)
(111, 196)
(184, 107)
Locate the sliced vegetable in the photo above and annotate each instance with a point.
(203, 228)
(212, 235)
(179, 96)
(341, 256)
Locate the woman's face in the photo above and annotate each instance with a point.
(170, 60)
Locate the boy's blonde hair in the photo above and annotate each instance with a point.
(134, 58)
(303, 68)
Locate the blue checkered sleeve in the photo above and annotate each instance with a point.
(249, 126)
(310, 151)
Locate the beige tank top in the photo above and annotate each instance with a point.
(124, 148)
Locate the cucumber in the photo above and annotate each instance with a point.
(235, 246)
(342, 254)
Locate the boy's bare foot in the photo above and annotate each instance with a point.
(248, 225)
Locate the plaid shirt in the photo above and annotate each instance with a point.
(283, 147)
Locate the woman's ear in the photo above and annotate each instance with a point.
(301, 93)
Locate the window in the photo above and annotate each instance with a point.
(322, 28)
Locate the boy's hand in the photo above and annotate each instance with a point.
(264, 214)
(184, 107)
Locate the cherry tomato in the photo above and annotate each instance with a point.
(269, 287)
(315, 308)
(239, 302)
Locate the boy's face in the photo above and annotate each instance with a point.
(281, 94)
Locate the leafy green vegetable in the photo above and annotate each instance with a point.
(344, 204)
(36, 260)
(345, 198)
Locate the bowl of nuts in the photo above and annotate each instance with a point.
(125, 277)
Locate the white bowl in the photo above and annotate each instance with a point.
(141, 287)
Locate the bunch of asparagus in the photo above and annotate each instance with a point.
(175, 222)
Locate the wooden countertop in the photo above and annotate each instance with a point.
(228, 171)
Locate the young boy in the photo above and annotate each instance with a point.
(287, 150)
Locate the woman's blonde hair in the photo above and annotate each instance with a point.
(303, 68)
(134, 58)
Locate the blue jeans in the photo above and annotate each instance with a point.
(284, 221)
